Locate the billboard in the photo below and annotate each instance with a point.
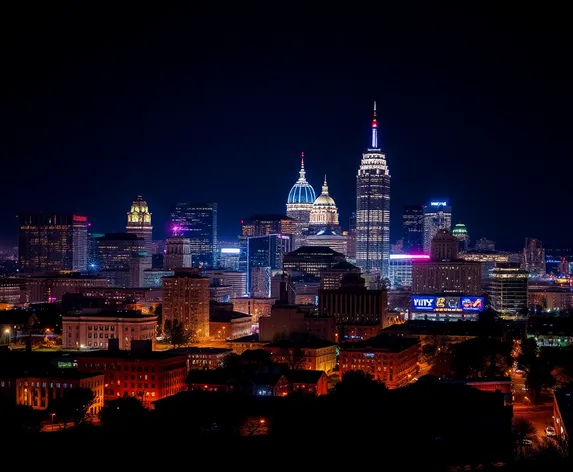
(423, 303)
(472, 303)
(447, 304)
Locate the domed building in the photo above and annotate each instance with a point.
(461, 233)
(299, 205)
(324, 214)
(324, 229)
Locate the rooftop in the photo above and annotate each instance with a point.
(310, 344)
(108, 313)
(304, 376)
(267, 217)
(224, 316)
(251, 338)
(343, 265)
(203, 350)
(383, 342)
(124, 354)
(315, 250)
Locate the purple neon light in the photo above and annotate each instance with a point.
(410, 256)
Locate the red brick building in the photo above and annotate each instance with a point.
(313, 382)
(148, 376)
(310, 355)
(392, 360)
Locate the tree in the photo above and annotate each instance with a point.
(176, 334)
(359, 383)
(538, 377)
(432, 347)
(73, 405)
(159, 313)
(254, 427)
(127, 413)
(20, 419)
(523, 433)
(528, 353)
(294, 356)
(563, 376)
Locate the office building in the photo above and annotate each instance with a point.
(268, 223)
(198, 222)
(311, 259)
(265, 258)
(94, 328)
(400, 272)
(186, 299)
(50, 242)
(389, 359)
(358, 313)
(437, 215)
(351, 239)
(153, 278)
(373, 209)
(139, 223)
(50, 287)
(484, 244)
(230, 258)
(534, 257)
(236, 280)
(330, 277)
(461, 233)
(115, 250)
(177, 253)
(508, 288)
(299, 205)
(413, 228)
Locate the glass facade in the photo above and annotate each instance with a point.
(198, 223)
(53, 242)
(413, 228)
(265, 252)
(373, 213)
(437, 215)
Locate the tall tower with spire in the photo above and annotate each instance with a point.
(373, 208)
(299, 204)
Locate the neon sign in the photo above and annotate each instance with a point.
(438, 204)
(80, 218)
(230, 250)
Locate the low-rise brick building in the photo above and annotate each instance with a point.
(304, 355)
(392, 360)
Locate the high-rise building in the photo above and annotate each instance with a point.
(268, 223)
(413, 228)
(484, 244)
(198, 222)
(437, 215)
(508, 288)
(115, 250)
(461, 233)
(534, 257)
(186, 299)
(53, 242)
(311, 260)
(178, 253)
(373, 209)
(299, 204)
(351, 239)
(265, 254)
(139, 223)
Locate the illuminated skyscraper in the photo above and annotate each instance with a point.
(198, 222)
(139, 223)
(413, 228)
(373, 209)
(437, 216)
(53, 242)
(299, 204)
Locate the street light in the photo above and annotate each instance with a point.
(52, 415)
(7, 331)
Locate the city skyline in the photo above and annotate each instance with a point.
(236, 141)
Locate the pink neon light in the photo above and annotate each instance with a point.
(410, 256)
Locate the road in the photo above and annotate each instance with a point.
(541, 415)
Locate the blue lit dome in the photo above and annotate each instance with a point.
(301, 191)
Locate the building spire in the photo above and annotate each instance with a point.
(374, 130)
(325, 186)
(302, 172)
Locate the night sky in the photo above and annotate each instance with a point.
(210, 104)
